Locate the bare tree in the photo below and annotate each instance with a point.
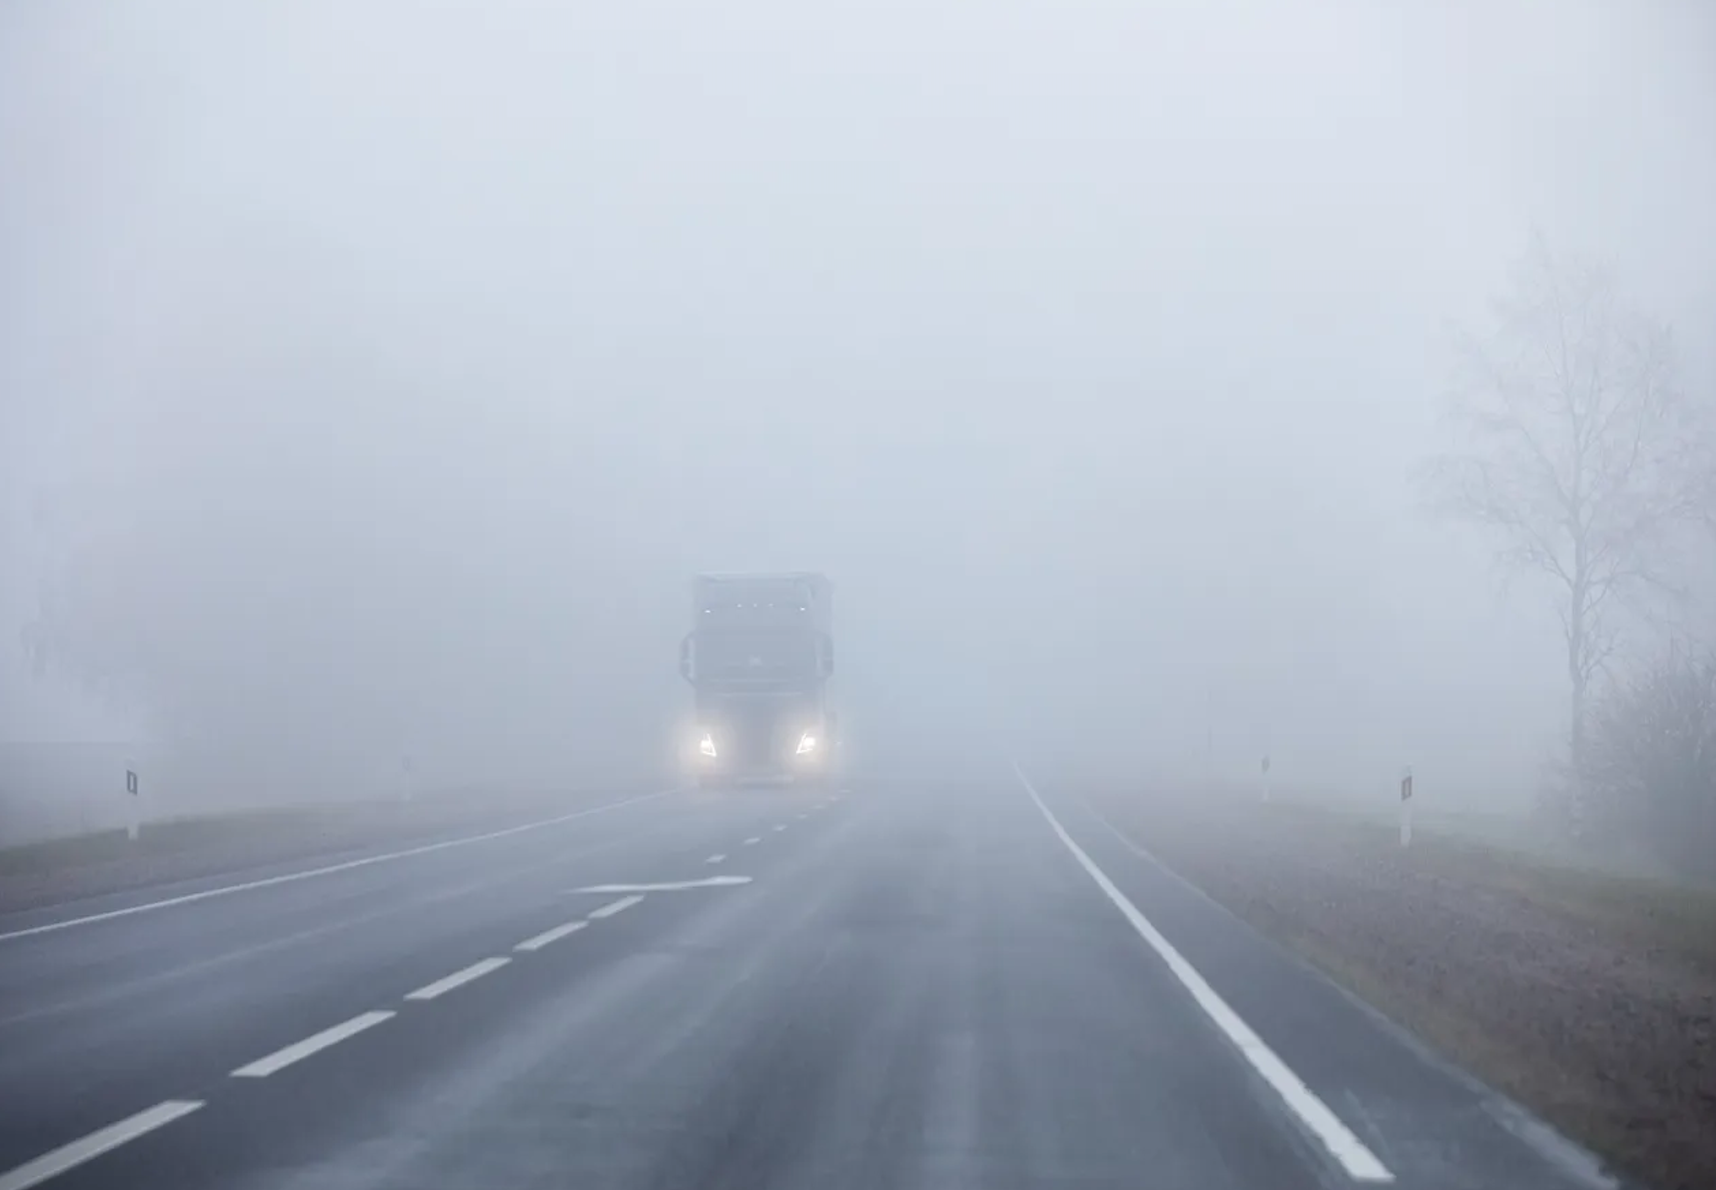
(1579, 453)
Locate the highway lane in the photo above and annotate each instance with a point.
(94, 1016)
(908, 986)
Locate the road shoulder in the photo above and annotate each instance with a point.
(82, 870)
(1586, 998)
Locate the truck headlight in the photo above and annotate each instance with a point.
(707, 745)
(806, 743)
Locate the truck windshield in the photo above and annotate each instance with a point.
(753, 654)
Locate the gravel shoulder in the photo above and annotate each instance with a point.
(69, 870)
(1590, 998)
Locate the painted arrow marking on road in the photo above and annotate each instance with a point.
(677, 886)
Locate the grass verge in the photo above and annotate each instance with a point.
(1586, 996)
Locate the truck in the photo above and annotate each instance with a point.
(759, 657)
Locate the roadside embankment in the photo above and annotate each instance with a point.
(75, 868)
(1587, 996)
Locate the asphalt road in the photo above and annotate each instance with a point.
(897, 986)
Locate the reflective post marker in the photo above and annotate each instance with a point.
(1406, 808)
(133, 818)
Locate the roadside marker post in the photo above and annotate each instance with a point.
(134, 819)
(1406, 808)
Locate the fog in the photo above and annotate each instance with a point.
(373, 376)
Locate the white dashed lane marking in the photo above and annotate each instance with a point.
(613, 907)
(299, 1050)
(753, 840)
(554, 935)
(34, 1173)
(717, 858)
(457, 979)
(779, 826)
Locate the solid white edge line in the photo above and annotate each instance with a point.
(613, 907)
(328, 869)
(457, 979)
(554, 935)
(717, 858)
(34, 1173)
(1346, 1148)
(299, 1050)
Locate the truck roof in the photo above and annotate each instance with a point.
(806, 591)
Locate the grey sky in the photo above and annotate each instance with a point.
(410, 356)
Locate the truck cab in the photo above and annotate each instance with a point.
(758, 658)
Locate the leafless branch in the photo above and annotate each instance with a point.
(1576, 452)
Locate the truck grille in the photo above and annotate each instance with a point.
(754, 743)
